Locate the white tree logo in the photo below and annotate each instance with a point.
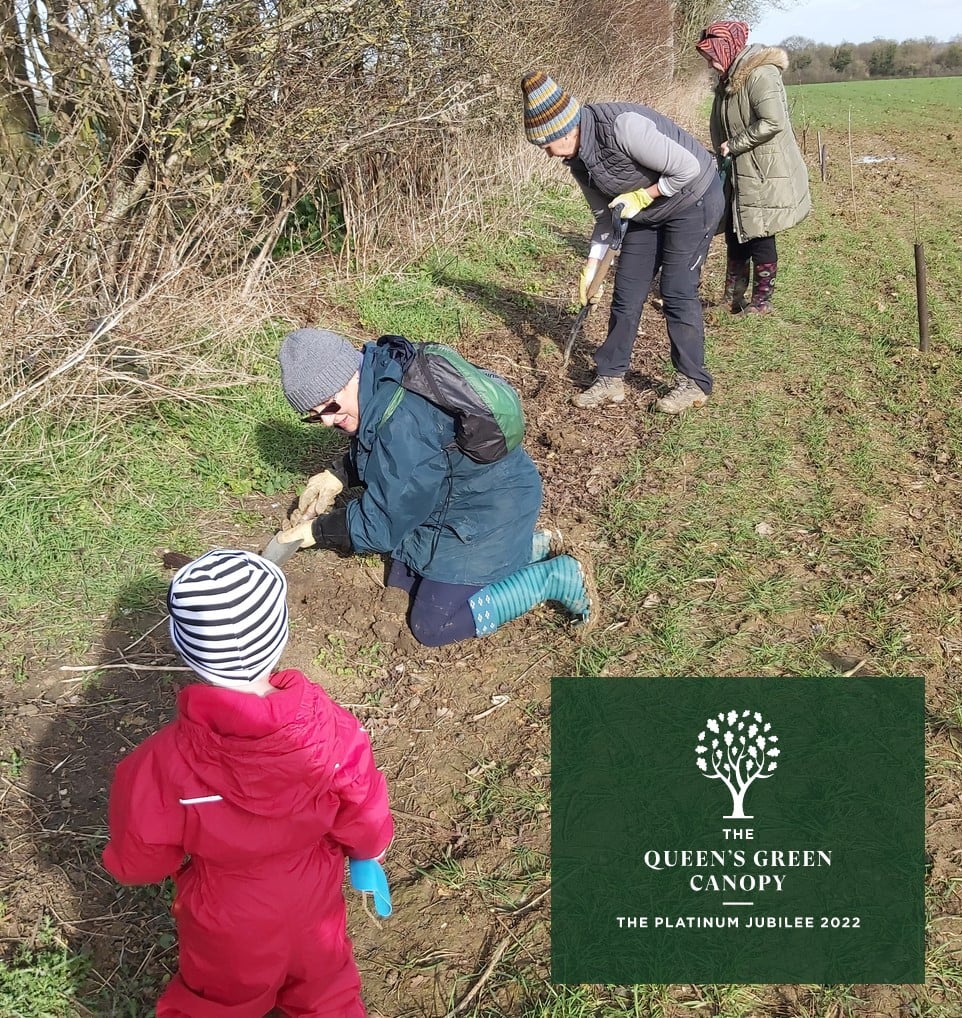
(737, 749)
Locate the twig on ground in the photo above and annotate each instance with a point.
(529, 905)
(366, 905)
(852, 671)
(146, 959)
(144, 635)
(533, 664)
(520, 367)
(482, 979)
(132, 667)
(499, 700)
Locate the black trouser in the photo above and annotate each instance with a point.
(439, 612)
(758, 250)
(678, 248)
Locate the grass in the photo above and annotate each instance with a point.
(40, 980)
(804, 520)
(498, 797)
(930, 103)
(369, 661)
(459, 293)
(93, 500)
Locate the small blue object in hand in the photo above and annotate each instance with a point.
(368, 875)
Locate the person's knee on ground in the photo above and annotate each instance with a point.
(400, 583)
(440, 613)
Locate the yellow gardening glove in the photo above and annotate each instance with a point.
(631, 202)
(584, 281)
(302, 534)
(318, 496)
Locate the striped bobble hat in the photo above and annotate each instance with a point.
(549, 112)
(228, 615)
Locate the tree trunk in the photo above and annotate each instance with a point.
(738, 805)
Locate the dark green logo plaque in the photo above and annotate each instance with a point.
(737, 830)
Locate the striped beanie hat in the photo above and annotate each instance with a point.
(228, 615)
(549, 112)
(722, 41)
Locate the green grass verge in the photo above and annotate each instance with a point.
(91, 500)
(41, 981)
(796, 524)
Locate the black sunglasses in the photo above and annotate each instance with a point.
(316, 416)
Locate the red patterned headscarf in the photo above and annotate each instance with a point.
(722, 41)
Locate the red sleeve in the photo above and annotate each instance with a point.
(145, 819)
(363, 825)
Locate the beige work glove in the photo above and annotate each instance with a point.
(302, 534)
(326, 531)
(318, 496)
(584, 281)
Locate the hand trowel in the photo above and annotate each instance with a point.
(279, 552)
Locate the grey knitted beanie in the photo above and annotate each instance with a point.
(315, 364)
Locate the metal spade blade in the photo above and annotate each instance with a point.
(279, 552)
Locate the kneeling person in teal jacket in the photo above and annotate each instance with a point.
(460, 534)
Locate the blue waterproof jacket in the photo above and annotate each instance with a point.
(425, 503)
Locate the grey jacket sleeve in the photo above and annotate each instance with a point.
(646, 145)
(598, 203)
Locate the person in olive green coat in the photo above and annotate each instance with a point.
(767, 176)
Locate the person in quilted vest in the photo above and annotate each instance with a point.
(767, 180)
(250, 799)
(645, 176)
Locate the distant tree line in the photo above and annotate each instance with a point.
(881, 58)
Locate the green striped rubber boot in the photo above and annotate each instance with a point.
(555, 579)
(545, 543)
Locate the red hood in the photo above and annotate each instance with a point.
(272, 755)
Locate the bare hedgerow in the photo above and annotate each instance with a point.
(153, 150)
(150, 148)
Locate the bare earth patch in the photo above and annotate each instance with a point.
(462, 733)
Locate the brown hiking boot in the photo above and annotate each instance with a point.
(604, 390)
(686, 395)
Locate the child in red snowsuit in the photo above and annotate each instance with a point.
(251, 798)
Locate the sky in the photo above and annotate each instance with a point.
(835, 21)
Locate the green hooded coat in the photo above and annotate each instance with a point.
(768, 176)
